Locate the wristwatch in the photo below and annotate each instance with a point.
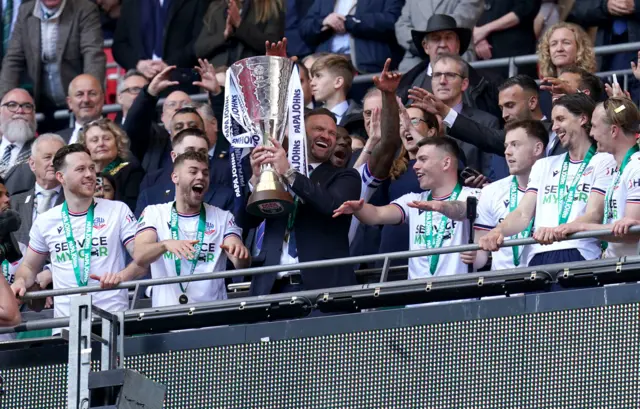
(290, 176)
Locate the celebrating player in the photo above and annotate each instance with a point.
(188, 236)
(613, 128)
(437, 171)
(85, 237)
(563, 188)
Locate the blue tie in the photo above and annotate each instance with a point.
(259, 237)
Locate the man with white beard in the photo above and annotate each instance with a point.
(18, 126)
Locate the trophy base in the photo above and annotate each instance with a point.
(270, 203)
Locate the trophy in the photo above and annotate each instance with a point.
(262, 85)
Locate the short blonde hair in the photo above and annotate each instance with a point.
(585, 55)
(106, 124)
(336, 64)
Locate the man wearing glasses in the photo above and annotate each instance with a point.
(128, 90)
(18, 126)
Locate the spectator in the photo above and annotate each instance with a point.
(53, 41)
(151, 35)
(331, 79)
(574, 79)
(85, 100)
(109, 13)
(562, 45)
(106, 187)
(364, 31)
(296, 10)
(415, 16)
(9, 14)
(161, 189)
(229, 35)
(45, 192)
(131, 85)
(342, 153)
(450, 78)
(443, 36)
(18, 126)
(505, 29)
(296, 238)
(109, 148)
(548, 15)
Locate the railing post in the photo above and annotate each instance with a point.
(385, 270)
(79, 352)
(513, 68)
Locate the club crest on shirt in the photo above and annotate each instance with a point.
(98, 223)
(209, 229)
(589, 170)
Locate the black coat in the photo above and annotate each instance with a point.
(319, 236)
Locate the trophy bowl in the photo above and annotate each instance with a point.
(262, 85)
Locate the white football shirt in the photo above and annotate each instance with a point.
(220, 224)
(544, 179)
(10, 277)
(457, 234)
(493, 208)
(626, 192)
(114, 226)
(369, 186)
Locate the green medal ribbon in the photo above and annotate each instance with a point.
(117, 161)
(82, 278)
(5, 270)
(612, 188)
(428, 225)
(565, 204)
(513, 204)
(199, 237)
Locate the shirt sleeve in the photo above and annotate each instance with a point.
(603, 173)
(231, 228)
(147, 220)
(633, 187)
(536, 176)
(128, 225)
(370, 183)
(401, 203)
(37, 241)
(485, 219)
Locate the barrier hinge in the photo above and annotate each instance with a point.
(376, 292)
(618, 267)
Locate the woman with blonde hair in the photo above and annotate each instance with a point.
(237, 29)
(108, 145)
(562, 45)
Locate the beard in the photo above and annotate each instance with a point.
(19, 130)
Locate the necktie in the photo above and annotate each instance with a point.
(7, 18)
(44, 200)
(6, 157)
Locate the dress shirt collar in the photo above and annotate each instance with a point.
(40, 10)
(340, 109)
(429, 69)
(39, 189)
(457, 107)
(212, 151)
(5, 143)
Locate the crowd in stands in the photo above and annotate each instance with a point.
(546, 153)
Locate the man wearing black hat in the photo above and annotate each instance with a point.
(444, 36)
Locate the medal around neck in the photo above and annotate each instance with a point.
(263, 99)
(183, 299)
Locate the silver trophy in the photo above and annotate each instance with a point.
(262, 84)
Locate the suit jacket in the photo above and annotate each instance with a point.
(247, 40)
(475, 157)
(19, 177)
(79, 47)
(165, 191)
(488, 139)
(23, 204)
(319, 236)
(65, 134)
(416, 13)
(183, 24)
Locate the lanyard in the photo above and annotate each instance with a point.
(82, 278)
(199, 237)
(428, 225)
(513, 204)
(612, 188)
(5, 270)
(565, 205)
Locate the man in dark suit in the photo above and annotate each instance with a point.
(46, 192)
(54, 41)
(151, 35)
(85, 100)
(161, 188)
(449, 80)
(519, 100)
(310, 232)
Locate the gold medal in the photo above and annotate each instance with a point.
(183, 299)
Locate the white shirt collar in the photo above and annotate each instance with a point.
(6, 142)
(39, 10)
(429, 69)
(212, 151)
(39, 189)
(340, 109)
(315, 165)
